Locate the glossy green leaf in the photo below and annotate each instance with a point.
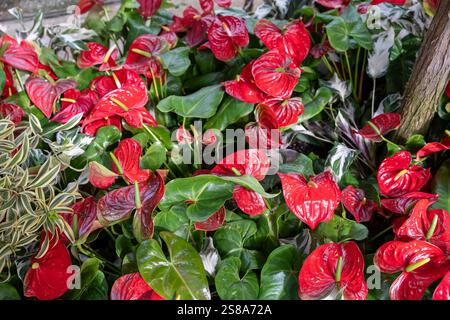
(93, 283)
(279, 276)
(230, 111)
(302, 164)
(231, 285)
(105, 137)
(339, 229)
(173, 220)
(322, 97)
(200, 104)
(176, 61)
(2, 79)
(8, 292)
(154, 157)
(179, 276)
(201, 195)
(249, 182)
(441, 186)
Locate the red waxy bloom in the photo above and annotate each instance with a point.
(433, 147)
(148, 8)
(208, 5)
(97, 54)
(286, 111)
(170, 37)
(293, 41)
(8, 87)
(18, 55)
(75, 102)
(214, 222)
(209, 137)
(184, 136)
(275, 74)
(128, 154)
(86, 212)
(396, 176)
(118, 79)
(44, 93)
(13, 112)
(226, 35)
(252, 162)
(380, 125)
(402, 204)
(332, 267)
(100, 176)
(442, 291)
(91, 128)
(312, 201)
(244, 87)
(420, 262)
(264, 133)
(333, 4)
(86, 5)
(394, 2)
(427, 225)
(47, 277)
(143, 55)
(133, 287)
(321, 49)
(357, 204)
(127, 102)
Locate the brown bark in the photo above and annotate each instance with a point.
(429, 77)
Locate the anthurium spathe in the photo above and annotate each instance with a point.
(84, 217)
(133, 287)
(312, 201)
(249, 201)
(293, 41)
(331, 268)
(118, 79)
(420, 263)
(427, 225)
(396, 176)
(86, 5)
(442, 291)
(404, 203)
(8, 87)
(433, 147)
(126, 102)
(75, 102)
(44, 92)
(18, 55)
(226, 36)
(97, 54)
(355, 201)
(379, 126)
(394, 2)
(11, 111)
(100, 176)
(47, 277)
(243, 87)
(275, 74)
(333, 4)
(286, 111)
(126, 161)
(208, 5)
(214, 222)
(148, 8)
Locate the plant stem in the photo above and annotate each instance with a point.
(361, 77)
(349, 68)
(355, 87)
(381, 233)
(373, 95)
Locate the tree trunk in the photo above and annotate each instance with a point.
(429, 77)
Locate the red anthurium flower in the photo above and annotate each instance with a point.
(293, 41)
(8, 87)
(133, 287)
(402, 204)
(226, 35)
(357, 204)
(312, 201)
(275, 74)
(11, 111)
(432, 226)
(286, 111)
(333, 4)
(118, 79)
(333, 267)
(442, 291)
(249, 201)
(86, 5)
(148, 8)
(91, 128)
(264, 134)
(170, 37)
(253, 162)
(184, 136)
(209, 137)
(394, 2)
(143, 55)
(127, 102)
(18, 55)
(126, 161)
(396, 177)
(86, 213)
(97, 54)
(321, 49)
(380, 125)
(433, 147)
(75, 102)
(47, 277)
(208, 5)
(420, 262)
(44, 93)
(100, 176)
(212, 223)
(244, 87)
